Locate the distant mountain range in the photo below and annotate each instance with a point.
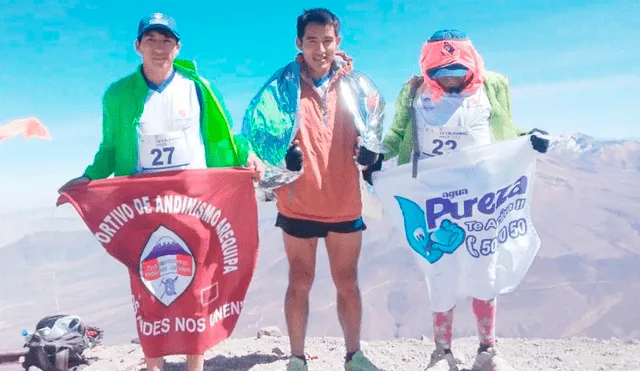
(583, 150)
(585, 281)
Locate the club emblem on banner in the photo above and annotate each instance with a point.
(167, 266)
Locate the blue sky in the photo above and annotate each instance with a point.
(573, 65)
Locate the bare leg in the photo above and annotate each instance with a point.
(343, 250)
(195, 362)
(301, 254)
(154, 364)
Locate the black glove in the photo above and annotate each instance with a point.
(366, 173)
(366, 157)
(293, 158)
(539, 144)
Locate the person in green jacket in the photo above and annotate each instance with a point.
(163, 117)
(454, 105)
(159, 97)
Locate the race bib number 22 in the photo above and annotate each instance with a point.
(438, 141)
(443, 146)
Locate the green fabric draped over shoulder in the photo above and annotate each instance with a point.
(122, 107)
(399, 139)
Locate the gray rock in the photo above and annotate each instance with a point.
(272, 331)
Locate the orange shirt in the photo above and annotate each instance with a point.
(329, 188)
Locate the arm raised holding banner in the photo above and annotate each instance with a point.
(140, 135)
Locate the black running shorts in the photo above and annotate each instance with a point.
(309, 229)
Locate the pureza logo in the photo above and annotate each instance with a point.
(167, 266)
(431, 245)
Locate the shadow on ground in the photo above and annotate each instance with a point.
(222, 363)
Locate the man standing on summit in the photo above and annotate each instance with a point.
(164, 117)
(164, 101)
(311, 123)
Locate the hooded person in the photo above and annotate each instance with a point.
(456, 105)
(314, 123)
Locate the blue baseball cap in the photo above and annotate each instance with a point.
(454, 70)
(447, 34)
(158, 21)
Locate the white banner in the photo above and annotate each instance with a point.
(467, 216)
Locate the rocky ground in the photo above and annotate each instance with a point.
(269, 353)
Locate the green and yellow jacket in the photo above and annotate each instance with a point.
(399, 139)
(123, 104)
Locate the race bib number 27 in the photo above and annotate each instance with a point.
(159, 159)
(164, 151)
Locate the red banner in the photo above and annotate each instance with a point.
(190, 242)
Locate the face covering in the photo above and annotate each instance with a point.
(447, 52)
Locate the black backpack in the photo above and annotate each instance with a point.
(62, 349)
